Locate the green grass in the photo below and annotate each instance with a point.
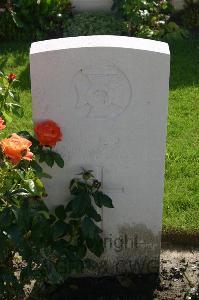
(14, 57)
(181, 199)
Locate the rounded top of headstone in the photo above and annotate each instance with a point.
(97, 41)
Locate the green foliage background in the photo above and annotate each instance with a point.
(32, 19)
(87, 23)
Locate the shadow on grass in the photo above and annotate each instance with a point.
(184, 63)
(24, 78)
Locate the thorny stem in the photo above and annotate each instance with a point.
(5, 97)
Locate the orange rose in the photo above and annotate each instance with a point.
(48, 133)
(16, 148)
(2, 125)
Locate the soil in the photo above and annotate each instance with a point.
(178, 279)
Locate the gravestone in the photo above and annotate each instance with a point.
(92, 5)
(109, 95)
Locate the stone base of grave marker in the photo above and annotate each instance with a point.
(109, 95)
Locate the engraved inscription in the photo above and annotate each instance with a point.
(102, 91)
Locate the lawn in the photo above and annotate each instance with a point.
(181, 198)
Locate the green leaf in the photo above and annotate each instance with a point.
(24, 216)
(58, 159)
(45, 175)
(91, 212)
(89, 229)
(61, 246)
(59, 229)
(41, 231)
(107, 201)
(102, 200)
(96, 246)
(7, 117)
(42, 156)
(77, 187)
(16, 97)
(80, 203)
(82, 251)
(45, 214)
(20, 173)
(36, 187)
(97, 198)
(60, 212)
(17, 110)
(40, 189)
(25, 134)
(36, 167)
(49, 159)
(6, 217)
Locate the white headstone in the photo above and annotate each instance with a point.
(109, 95)
(178, 4)
(92, 5)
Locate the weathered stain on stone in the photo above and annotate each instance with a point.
(135, 250)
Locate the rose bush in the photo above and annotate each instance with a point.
(9, 98)
(35, 243)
